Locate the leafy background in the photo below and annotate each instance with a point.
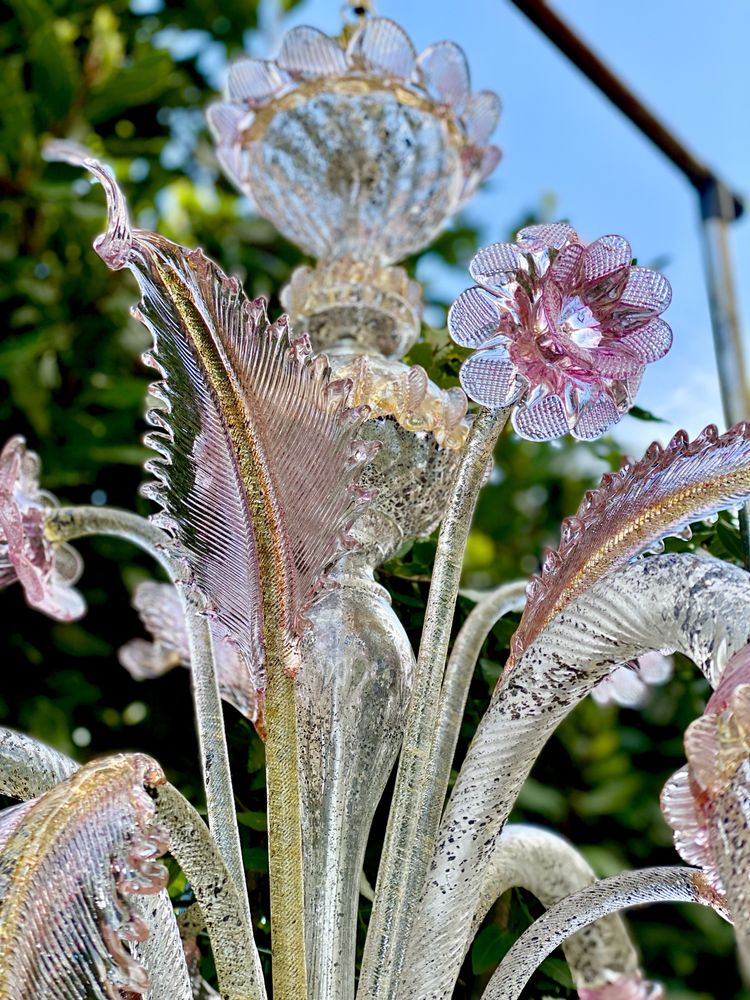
(131, 81)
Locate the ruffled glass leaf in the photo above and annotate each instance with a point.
(257, 446)
(67, 872)
(634, 508)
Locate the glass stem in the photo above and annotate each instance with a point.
(410, 835)
(458, 674)
(65, 524)
(572, 914)
(289, 966)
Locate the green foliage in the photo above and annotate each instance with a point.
(132, 86)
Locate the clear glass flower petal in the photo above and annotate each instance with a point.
(481, 116)
(253, 80)
(596, 417)
(383, 45)
(446, 74)
(490, 378)
(604, 256)
(473, 318)
(307, 52)
(542, 420)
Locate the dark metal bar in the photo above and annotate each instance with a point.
(564, 38)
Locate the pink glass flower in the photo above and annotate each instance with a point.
(628, 685)
(46, 571)
(626, 988)
(707, 802)
(561, 328)
(160, 610)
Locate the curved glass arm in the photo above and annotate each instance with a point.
(574, 913)
(697, 605)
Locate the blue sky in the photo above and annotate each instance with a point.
(688, 61)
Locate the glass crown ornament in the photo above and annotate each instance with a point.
(284, 479)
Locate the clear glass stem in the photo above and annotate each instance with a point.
(286, 869)
(409, 837)
(238, 967)
(572, 914)
(68, 523)
(458, 675)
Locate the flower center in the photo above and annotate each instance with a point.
(578, 323)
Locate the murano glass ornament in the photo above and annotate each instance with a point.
(284, 136)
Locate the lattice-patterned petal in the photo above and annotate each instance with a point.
(491, 156)
(596, 417)
(541, 420)
(605, 256)
(473, 318)
(495, 266)
(253, 81)
(546, 236)
(650, 342)
(257, 446)
(481, 116)
(446, 74)
(490, 378)
(647, 293)
(66, 872)
(307, 52)
(630, 510)
(383, 45)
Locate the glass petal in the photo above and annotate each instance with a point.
(605, 256)
(223, 120)
(384, 45)
(490, 159)
(554, 235)
(446, 74)
(495, 266)
(253, 80)
(613, 360)
(473, 318)
(481, 116)
(596, 417)
(565, 268)
(307, 52)
(542, 420)
(490, 378)
(646, 293)
(649, 342)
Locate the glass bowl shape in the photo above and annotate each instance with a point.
(356, 145)
(422, 430)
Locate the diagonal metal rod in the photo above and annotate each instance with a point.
(719, 207)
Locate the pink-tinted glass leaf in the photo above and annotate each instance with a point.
(596, 417)
(631, 510)
(495, 266)
(490, 378)
(307, 52)
(258, 456)
(68, 870)
(481, 116)
(605, 256)
(445, 73)
(383, 45)
(689, 824)
(649, 342)
(541, 420)
(253, 81)
(473, 318)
